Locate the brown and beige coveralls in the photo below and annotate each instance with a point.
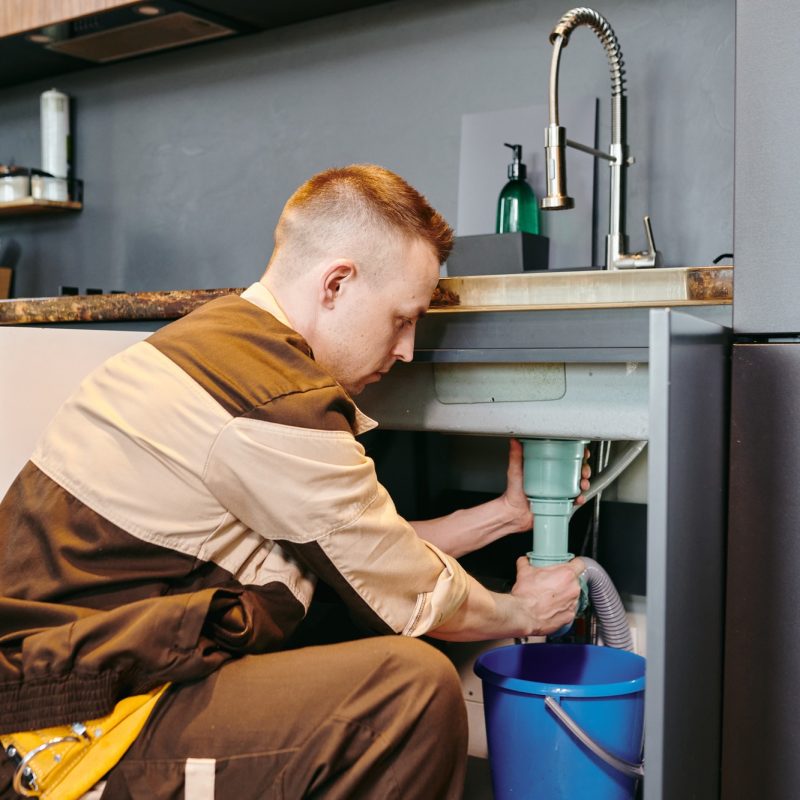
(171, 526)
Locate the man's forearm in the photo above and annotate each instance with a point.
(469, 529)
(542, 601)
(486, 615)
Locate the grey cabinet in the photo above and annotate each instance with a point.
(762, 656)
(687, 510)
(762, 649)
(659, 374)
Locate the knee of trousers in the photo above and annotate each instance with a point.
(432, 676)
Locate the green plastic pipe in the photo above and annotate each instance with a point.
(552, 480)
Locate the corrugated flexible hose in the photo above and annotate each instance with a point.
(611, 619)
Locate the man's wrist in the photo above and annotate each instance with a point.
(515, 618)
(514, 518)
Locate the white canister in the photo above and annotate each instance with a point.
(14, 187)
(56, 145)
(44, 188)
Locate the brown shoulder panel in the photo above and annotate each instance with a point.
(326, 408)
(246, 359)
(100, 614)
(56, 549)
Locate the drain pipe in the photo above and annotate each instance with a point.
(552, 474)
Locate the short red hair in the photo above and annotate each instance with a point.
(371, 191)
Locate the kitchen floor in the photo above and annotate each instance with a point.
(478, 785)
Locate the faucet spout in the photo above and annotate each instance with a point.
(556, 196)
(555, 142)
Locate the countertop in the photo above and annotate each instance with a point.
(546, 290)
(107, 307)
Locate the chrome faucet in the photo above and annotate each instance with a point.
(555, 140)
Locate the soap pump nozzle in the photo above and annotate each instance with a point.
(516, 169)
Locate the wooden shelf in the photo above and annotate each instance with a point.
(31, 205)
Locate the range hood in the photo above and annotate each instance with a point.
(134, 31)
(127, 29)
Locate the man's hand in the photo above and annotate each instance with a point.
(514, 496)
(469, 529)
(543, 600)
(548, 595)
(586, 473)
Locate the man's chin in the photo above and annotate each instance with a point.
(354, 389)
(358, 388)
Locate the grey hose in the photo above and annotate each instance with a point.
(611, 618)
(614, 470)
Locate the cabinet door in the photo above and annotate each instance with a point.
(689, 378)
(762, 649)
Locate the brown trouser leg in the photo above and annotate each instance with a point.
(376, 718)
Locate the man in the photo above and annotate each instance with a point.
(165, 539)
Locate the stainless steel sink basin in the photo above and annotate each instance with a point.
(674, 286)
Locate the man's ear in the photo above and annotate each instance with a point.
(334, 279)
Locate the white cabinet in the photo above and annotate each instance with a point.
(39, 369)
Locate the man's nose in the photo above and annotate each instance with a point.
(404, 351)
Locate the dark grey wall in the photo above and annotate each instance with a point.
(188, 156)
(767, 280)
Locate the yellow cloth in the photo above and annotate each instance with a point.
(68, 770)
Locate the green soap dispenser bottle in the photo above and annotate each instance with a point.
(517, 208)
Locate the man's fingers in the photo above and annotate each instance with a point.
(578, 566)
(515, 459)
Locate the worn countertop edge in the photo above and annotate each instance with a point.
(620, 274)
(716, 301)
(133, 306)
(173, 304)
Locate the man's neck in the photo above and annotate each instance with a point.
(284, 297)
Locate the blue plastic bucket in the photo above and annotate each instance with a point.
(563, 721)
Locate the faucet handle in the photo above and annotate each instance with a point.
(648, 232)
(616, 258)
(650, 257)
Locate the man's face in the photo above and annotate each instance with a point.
(373, 322)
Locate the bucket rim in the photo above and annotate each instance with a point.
(529, 687)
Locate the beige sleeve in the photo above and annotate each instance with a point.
(316, 493)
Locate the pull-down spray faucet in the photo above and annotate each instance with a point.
(555, 137)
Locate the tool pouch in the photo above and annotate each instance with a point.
(64, 762)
